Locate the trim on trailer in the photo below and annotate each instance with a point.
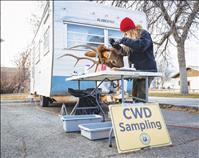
(96, 26)
(52, 47)
(60, 85)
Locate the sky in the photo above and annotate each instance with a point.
(16, 30)
(17, 33)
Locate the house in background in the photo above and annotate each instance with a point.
(8, 73)
(12, 80)
(192, 78)
(8, 79)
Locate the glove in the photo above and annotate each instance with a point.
(111, 41)
(115, 44)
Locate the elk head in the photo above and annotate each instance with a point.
(108, 56)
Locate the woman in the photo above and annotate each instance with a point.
(138, 46)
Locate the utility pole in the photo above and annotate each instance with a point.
(1, 40)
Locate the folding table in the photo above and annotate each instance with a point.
(114, 75)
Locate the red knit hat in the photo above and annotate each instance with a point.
(126, 24)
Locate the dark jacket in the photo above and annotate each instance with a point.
(141, 52)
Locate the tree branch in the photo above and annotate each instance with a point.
(193, 35)
(179, 11)
(190, 20)
(166, 36)
(154, 21)
(167, 18)
(160, 5)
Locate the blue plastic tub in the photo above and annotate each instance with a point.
(71, 122)
(95, 131)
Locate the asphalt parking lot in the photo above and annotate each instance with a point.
(28, 130)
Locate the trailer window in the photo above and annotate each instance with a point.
(37, 52)
(77, 35)
(46, 41)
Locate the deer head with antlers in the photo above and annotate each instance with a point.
(108, 56)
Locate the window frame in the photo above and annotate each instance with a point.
(83, 25)
(105, 29)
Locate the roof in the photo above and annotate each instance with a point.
(192, 71)
(8, 69)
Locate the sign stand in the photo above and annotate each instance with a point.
(138, 126)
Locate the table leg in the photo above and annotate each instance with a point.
(110, 137)
(122, 85)
(146, 88)
(97, 101)
(74, 109)
(78, 84)
(96, 92)
(111, 131)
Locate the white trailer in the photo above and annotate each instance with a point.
(65, 24)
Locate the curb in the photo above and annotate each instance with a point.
(161, 104)
(18, 101)
(180, 106)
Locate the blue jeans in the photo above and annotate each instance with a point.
(138, 89)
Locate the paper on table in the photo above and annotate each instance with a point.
(124, 69)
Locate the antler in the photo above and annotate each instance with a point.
(79, 58)
(101, 61)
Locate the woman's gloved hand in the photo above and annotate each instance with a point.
(115, 44)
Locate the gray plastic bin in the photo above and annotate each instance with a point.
(95, 131)
(71, 122)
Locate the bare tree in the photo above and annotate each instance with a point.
(22, 62)
(170, 23)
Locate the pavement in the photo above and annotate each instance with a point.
(27, 130)
(189, 102)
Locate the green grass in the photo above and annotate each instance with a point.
(15, 96)
(169, 94)
(23, 96)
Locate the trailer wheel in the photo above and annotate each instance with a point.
(44, 101)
